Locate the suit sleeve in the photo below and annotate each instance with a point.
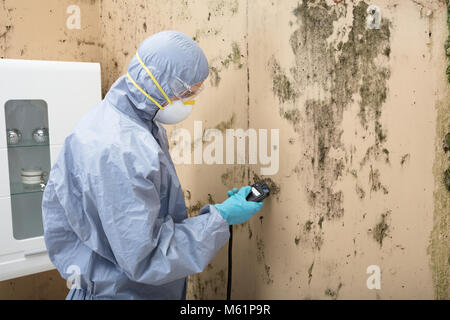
(147, 244)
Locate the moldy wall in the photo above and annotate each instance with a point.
(362, 114)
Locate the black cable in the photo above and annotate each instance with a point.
(263, 192)
(230, 262)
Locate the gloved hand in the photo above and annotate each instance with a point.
(231, 192)
(236, 209)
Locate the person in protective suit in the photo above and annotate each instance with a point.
(114, 216)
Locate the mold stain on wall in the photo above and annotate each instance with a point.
(218, 64)
(221, 126)
(447, 43)
(439, 248)
(193, 207)
(235, 176)
(273, 186)
(214, 76)
(344, 62)
(5, 28)
(234, 57)
(220, 8)
(333, 293)
(261, 258)
(201, 288)
(381, 229)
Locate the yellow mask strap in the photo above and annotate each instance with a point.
(144, 93)
(153, 78)
(190, 102)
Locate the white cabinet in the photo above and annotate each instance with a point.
(40, 102)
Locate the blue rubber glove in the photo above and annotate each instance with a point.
(231, 192)
(236, 209)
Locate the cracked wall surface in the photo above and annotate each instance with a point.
(361, 112)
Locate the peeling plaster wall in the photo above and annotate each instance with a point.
(362, 115)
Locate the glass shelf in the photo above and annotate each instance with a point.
(25, 116)
(20, 188)
(27, 143)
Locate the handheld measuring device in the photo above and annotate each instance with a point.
(260, 191)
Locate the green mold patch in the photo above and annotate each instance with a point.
(308, 225)
(220, 8)
(380, 231)
(447, 42)
(5, 32)
(326, 202)
(374, 181)
(357, 59)
(209, 284)
(386, 153)
(234, 7)
(342, 70)
(204, 33)
(222, 126)
(320, 223)
(267, 275)
(311, 234)
(227, 124)
(339, 169)
(234, 177)
(260, 250)
(273, 186)
(333, 294)
(214, 77)
(292, 116)
(261, 259)
(317, 241)
(227, 178)
(439, 248)
(360, 192)
(193, 210)
(250, 232)
(375, 152)
(404, 159)
(281, 85)
(310, 270)
(234, 57)
(447, 179)
(313, 55)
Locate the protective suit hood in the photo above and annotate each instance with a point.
(167, 54)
